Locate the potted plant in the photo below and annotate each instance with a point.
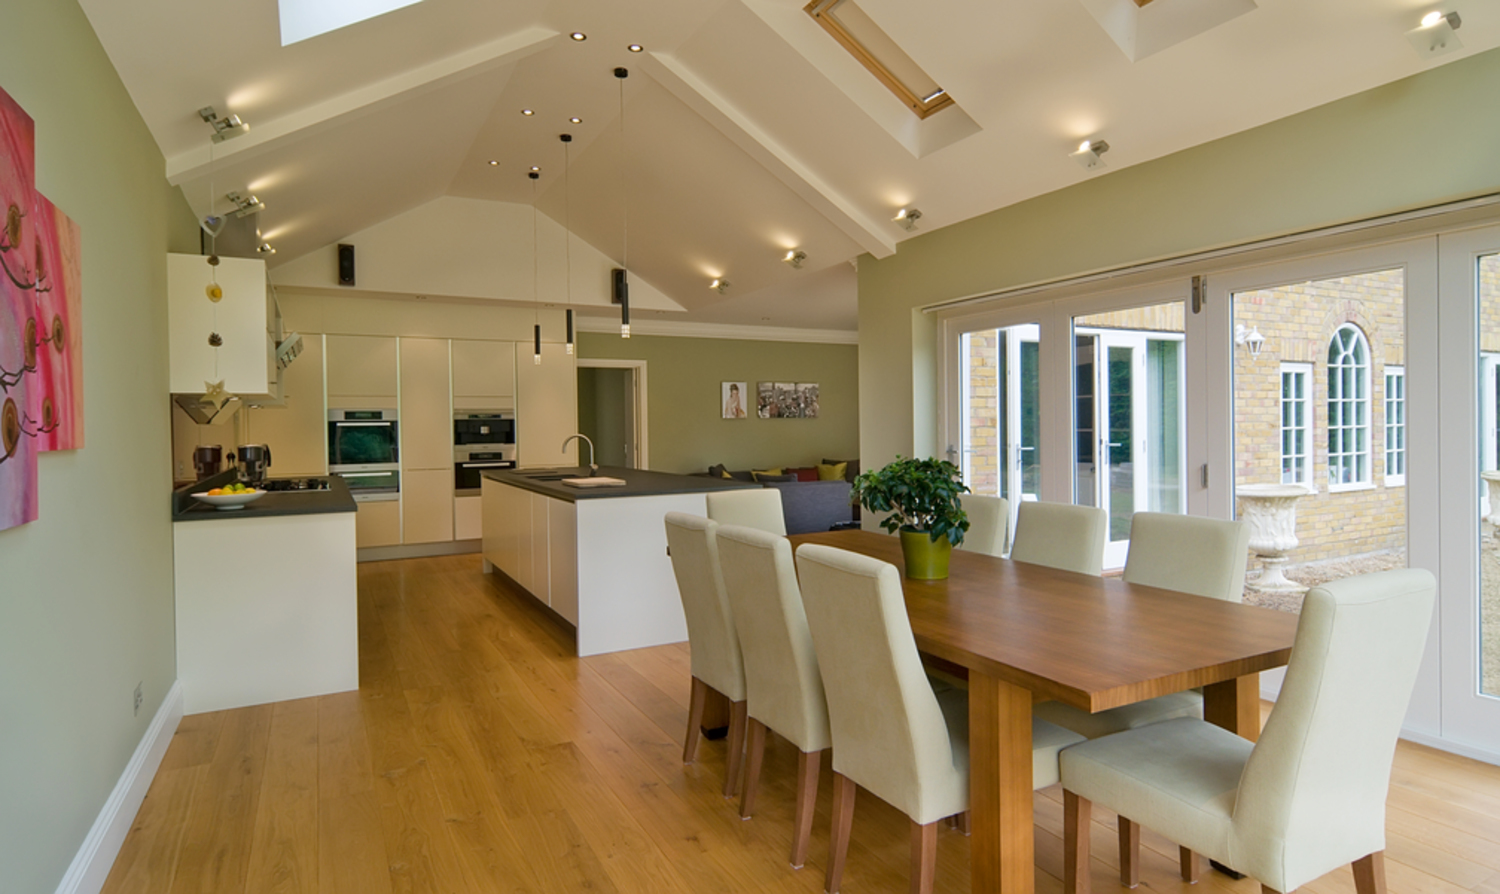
(921, 496)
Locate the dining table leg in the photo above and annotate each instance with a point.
(1000, 807)
(1234, 705)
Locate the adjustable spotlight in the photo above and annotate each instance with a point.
(265, 249)
(1088, 153)
(794, 258)
(226, 128)
(244, 206)
(907, 218)
(1435, 36)
(719, 285)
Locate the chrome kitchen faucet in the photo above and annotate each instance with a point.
(593, 469)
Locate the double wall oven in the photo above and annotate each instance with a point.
(364, 449)
(482, 439)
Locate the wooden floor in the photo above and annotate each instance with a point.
(479, 756)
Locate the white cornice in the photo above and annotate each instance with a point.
(676, 329)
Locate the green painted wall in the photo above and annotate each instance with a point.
(602, 406)
(86, 591)
(686, 431)
(1427, 139)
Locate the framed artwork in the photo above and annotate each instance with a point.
(734, 398)
(786, 400)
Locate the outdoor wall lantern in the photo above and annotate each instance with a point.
(1250, 338)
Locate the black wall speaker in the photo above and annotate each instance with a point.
(346, 265)
(621, 291)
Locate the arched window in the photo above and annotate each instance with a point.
(1348, 408)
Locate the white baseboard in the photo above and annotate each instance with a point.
(1452, 747)
(95, 857)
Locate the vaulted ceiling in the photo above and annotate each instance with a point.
(748, 130)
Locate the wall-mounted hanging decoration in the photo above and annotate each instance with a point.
(41, 376)
(734, 396)
(787, 400)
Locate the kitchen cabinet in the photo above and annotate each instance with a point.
(361, 372)
(484, 374)
(427, 506)
(562, 558)
(378, 524)
(426, 414)
(532, 539)
(546, 408)
(245, 362)
(468, 518)
(295, 431)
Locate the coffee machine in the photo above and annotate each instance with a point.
(254, 461)
(208, 461)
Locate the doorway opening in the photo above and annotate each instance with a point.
(612, 411)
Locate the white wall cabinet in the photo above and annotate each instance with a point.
(243, 362)
(484, 374)
(426, 419)
(361, 371)
(546, 407)
(427, 506)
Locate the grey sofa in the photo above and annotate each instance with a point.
(811, 506)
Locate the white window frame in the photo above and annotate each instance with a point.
(1305, 370)
(1361, 401)
(1390, 405)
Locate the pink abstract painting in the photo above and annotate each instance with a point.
(59, 298)
(20, 386)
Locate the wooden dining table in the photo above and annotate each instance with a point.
(1028, 633)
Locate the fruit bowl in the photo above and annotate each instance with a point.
(230, 501)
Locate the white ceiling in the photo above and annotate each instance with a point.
(748, 130)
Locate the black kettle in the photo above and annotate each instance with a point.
(254, 461)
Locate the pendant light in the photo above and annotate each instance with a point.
(624, 283)
(536, 357)
(567, 141)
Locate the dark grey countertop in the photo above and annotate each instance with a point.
(638, 483)
(309, 502)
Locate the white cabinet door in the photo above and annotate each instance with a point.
(484, 374)
(492, 522)
(426, 417)
(468, 519)
(546, 408)
(540, 573)
(427, 506)
(562, 558)
(239, 318)
(521, 521)
(377, 524)
(361, 371)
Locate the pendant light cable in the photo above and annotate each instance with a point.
(567, 141)
(536, 299)
(624, 285)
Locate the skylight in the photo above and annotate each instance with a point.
(301, 19)
(853, 28)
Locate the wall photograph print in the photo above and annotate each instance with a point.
(41, 379)
(734, 398)
(787, 400)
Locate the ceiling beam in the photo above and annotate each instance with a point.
(873, 235)
(266, 135)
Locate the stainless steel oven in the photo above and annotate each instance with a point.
(484, 429)
(469, 465)
(364, 448)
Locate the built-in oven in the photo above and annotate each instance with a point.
(364, 448)
(469, 465)
(484, 428)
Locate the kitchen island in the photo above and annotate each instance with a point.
(596, 557)
(267, 607)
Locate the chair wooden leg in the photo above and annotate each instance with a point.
(962, 823)
(807, 800)
(1369, 873)
(1076, 812)
(695, 717)
(755, 753)
(1192, 865)
(1130, 853)
(844, 790)
(736, 741)
(923, 857)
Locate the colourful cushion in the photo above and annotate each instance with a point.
(718, 471)
(851, 470)
(810, 473)
(756, 473)
(832, 471)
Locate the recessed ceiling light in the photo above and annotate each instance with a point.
(576, 120)
(494, 162)
(535, 168)
(579, 35)
(635, 48)
(527, 112)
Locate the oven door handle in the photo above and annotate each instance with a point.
(507, 464)
(364, 474)
(362, 424)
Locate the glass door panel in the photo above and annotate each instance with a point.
(1487, 611)
(1128, 403)
(999, 405)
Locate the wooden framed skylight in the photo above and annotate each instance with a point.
(856, 32)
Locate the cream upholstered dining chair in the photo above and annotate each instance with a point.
(782, 683)
(1189, 554)
(717, 663)
(758, 507)
(1060, 535)
(892, 734)
(989, 521)
(1310, 795)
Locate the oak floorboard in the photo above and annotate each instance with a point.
(480, 755)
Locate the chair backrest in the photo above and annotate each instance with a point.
(989, 517)
(889, 735)
(1060, 535)
(758, 507)
(1313, 793)
(1189, 554)
(710, 622)
(782, 683)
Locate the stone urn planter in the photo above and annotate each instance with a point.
(1271, 512)
(1492, 489)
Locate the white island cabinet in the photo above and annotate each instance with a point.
(597, 558)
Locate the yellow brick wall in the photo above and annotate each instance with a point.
(984, 411)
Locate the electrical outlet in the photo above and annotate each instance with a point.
(181, 468)
(138, 697)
